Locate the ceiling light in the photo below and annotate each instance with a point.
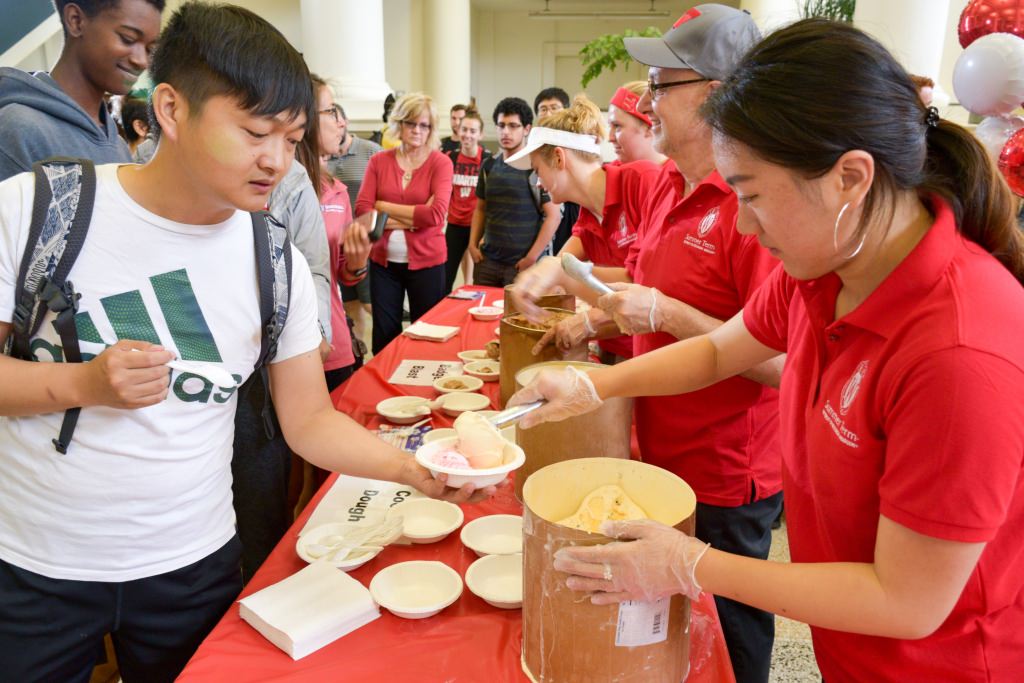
(546, 13)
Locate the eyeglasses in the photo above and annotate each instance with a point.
(425, 127)
(655, 87)
(333, 113)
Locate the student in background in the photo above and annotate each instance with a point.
(550, 101)
(466, 161)
(631, 135)
(452, 144)
(63, 113)
(135, 126)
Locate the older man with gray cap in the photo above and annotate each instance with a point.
(688, 272)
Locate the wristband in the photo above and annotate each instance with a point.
(357, 273)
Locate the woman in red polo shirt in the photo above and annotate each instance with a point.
(412, 183)
(562, 148)
(630, 128)
(902, 404)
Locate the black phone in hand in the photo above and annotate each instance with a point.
(377, 223)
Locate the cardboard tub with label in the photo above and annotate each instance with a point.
(567, 638)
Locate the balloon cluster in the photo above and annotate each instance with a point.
(988, 79)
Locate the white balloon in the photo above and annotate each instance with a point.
(988, 78)
(994, 131)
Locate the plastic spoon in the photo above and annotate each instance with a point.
(584, 272)
(219, 376)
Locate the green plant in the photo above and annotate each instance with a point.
(837, 10)
(608, 52)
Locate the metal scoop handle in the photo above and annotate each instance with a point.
(510, 415)
(583, 271)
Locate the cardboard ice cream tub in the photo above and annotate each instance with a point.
(518, 337)
(568, 639)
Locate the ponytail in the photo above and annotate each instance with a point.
(958, 169)
(583, 117)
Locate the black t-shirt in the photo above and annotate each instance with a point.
(448, 145)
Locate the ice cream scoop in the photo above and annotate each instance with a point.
(479, 441)
(584, 272)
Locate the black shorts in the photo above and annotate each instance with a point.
(52, 629)
(358, 292)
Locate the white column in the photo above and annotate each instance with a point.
(771, 14)
(343, 42)
(447, 55)
(913, 30)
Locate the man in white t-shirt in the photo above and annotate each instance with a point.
(131, 532)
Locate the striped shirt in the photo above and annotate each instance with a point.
(350, 167)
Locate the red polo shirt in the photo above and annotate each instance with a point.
(607, 241)
(910, 406)
(383, 182)
(723, 439)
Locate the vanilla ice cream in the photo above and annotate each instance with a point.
(604, 504)
(479, 441)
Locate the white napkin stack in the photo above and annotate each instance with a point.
(309, 609)
(427, 332)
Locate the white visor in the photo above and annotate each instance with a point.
(550, 136)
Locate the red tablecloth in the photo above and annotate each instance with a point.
(470, 641)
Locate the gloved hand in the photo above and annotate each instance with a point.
(661, 561)
(533, 283)
(570, 332)
(568, 392)
(633, 307)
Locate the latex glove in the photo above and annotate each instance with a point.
(568, 392)
(661, 561)
(533, 283)
(567, 334)
(633, 307)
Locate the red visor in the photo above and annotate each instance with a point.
(627, 101)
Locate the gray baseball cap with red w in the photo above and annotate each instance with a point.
(710, 39)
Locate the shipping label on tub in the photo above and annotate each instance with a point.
(642, 623)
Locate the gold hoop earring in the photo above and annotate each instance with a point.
(835, 234)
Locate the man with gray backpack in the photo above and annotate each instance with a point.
(115, 493)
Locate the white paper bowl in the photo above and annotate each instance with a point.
(416, 590)
(514, 459)
(472, 355)
(486, 312)
(494, 535)
(459, 402)
(497, 580)
(498, 303)
(316, 534)
(467, 384)
(426, 520)
(435, 434)
(391, 409)
(487, 370)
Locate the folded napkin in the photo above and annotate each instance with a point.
(309, 609)
(427, 332)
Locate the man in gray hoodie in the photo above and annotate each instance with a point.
(107, 44)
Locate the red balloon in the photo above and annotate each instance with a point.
(982, 17)
(1011, 162)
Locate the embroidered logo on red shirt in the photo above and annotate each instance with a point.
(692, 14)
(851, 387)
(708, 222)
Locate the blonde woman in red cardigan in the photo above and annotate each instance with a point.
(412, 184)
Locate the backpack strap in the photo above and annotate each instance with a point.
(65, 191)
(274, 274)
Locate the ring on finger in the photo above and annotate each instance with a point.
(607, 572)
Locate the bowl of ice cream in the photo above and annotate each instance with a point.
(487, 370)
(459, 402)
(416, 590)
(477, 455)
(486, 312)
(447, 385)
(426, 520)
(403, 410)
(494, 535)
(498, 580)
